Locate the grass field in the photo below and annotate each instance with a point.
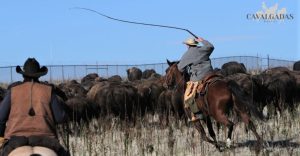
(113, 137)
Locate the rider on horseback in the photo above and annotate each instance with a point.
(30, 111)
(196, 62)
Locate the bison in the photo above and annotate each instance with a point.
(296, 66)
(281, 87)
(134, 74)
(170, 102)
(81, 109)
(252, 87)
(88, 81)
(115, 78)
(147, 73)
(115, 98)
(72, 89)
(149, 92)
(233, 67)
(2, 93)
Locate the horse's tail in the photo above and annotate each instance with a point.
(243, 101)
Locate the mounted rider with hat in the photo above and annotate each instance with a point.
(29, 113)
(196, 62)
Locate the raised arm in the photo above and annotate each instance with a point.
(206, 45)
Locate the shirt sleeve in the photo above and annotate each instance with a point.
(181, 68)
(207, 45)
(58, 109)
(4, 112)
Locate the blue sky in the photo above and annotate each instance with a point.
(55, 34)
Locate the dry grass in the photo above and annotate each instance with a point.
(4, 85)
(113, 137)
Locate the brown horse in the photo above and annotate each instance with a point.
(222, 97)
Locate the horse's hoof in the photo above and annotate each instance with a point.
(220, 147)
(260, 143)
(258, 146)
(228, 143)
(265, 144)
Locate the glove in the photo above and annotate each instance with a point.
(199, 39)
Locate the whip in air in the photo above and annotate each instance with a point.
(132, 22)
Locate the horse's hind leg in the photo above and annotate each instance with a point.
(246, 119)
(211, 131)
(229, 135)
(224, 120)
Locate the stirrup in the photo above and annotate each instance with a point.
(194, 119)
(199, 115)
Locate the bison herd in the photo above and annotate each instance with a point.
(143, 93)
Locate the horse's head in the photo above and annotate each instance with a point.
(173, 76)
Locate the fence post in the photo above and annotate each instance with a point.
(86, 69)
(11, 76)
(74, 72)
(257, 63)
(117, 69)
(63, 73)
(97, 68)
(268, 62)
(107, 71)
(50, 74)
(162, 68)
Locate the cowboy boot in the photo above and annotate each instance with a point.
(194, 116)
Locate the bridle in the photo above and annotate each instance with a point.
(179, 82)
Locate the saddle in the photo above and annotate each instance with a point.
(204, 83)
(197, 88)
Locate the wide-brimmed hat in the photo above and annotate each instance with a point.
(191, 41)
(32, 69)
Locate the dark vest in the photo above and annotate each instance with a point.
(20, 123)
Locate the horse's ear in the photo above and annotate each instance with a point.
(169, 63)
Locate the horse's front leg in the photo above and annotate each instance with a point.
(201, 130)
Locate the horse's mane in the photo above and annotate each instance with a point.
(185, 72)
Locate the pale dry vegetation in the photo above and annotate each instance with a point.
(114, 137)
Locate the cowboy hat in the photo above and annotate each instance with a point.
(32, 69)
(191, 41)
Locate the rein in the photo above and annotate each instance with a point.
(179, 82)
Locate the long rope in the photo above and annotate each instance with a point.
(132, 22)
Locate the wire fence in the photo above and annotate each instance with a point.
(69, 72)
